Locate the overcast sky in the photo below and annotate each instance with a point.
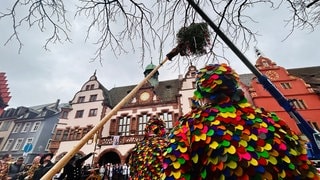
(36, 76)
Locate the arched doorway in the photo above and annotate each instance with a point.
(109, 157)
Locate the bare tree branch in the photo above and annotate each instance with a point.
(42, 14)
(115, 24)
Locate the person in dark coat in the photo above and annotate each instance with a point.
(45, 166)
(16, 169)
(73, 169)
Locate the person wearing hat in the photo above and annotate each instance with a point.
(45, 166)
(15, 171)
(146, 158)
(73, 169)
(226, 137)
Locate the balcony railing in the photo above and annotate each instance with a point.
(122, 140)
(105, 141)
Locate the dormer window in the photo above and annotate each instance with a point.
(64, 115)
(43, 112)
(93, 98)
(81, 99)
(265, 63)
(193, 74)
(87, 87)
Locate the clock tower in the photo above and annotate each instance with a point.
(154, 81)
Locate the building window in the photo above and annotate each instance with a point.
(315, 125)
(87, 87)
(92, 86)
(167, 118)
(36, 126)
(93, 112)
(265, 64)
(1, 140)
(285, 85)
(18, 145)
(93, 98)
(29, 140)
(193, 74)
(71, 136)
(194, 85)
(48, 145)
(79, 114)
(64, 115)
(58, 135)
(16, 128)
(143, 119)
(81, 99)
(124, 126)
(8, 145)
(26, 127)
(54, 129)
(299, 104)
(86, 130)
(78, 134)
(5, 126)
(65, 134)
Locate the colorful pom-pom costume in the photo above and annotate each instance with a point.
(225, 137)
(147, 155)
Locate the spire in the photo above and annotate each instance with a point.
(94, 77)
(154, 79)
(258, 52)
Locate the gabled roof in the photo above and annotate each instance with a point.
(311, 75)
(31, 112)
(166, 91)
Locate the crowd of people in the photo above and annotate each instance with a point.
(111, 171)
(73, 170)
(18, 170)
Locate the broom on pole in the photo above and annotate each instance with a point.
(191, 40)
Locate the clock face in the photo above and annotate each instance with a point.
(144, 96)
(272, 75)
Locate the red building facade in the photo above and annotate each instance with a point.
(4, 92)
(302, 95)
